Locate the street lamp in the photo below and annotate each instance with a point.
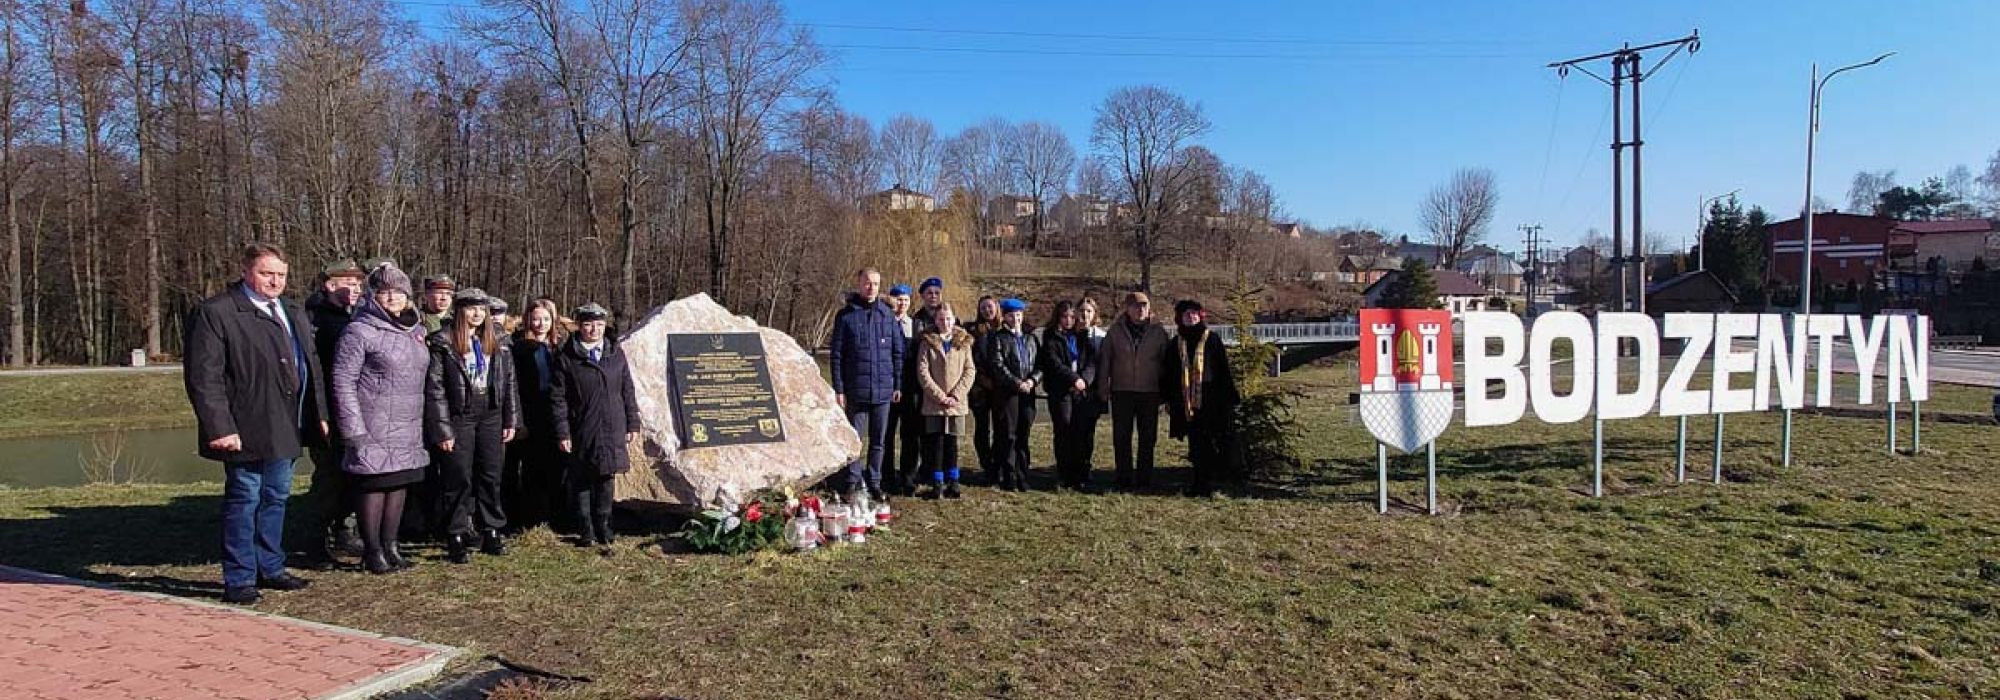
(1812, 129)
(1701, 226)
(1806, 259)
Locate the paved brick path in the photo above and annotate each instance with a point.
(61, 638)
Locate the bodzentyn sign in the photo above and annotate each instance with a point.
(1775, 356)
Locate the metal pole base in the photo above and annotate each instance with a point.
(1381, 478)
(1718, 448)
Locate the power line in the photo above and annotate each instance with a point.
(1160, 54)
(1163, 37)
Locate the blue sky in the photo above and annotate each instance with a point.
(1397, 95)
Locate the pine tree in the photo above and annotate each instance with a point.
(1413, 288)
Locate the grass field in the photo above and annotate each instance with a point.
(1853, 574)
(32, 404)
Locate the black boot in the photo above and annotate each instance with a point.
(490, 544)
(603, 528)
(393, 554)
(454, 551)
(951, 489)
(375, 563)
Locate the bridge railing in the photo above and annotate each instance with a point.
(1324, 331)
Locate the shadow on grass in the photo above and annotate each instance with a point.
(72, 539)
(1555, 465)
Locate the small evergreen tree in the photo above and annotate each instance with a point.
(1266, 431)
(1413, 288)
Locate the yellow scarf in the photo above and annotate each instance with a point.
(1192, 372)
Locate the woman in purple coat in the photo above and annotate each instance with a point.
(378, 392)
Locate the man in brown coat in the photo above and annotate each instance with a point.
(1128, 378)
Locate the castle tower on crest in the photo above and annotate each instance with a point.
(1385, 357)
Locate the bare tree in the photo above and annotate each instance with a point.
(1141, 133)
(11, 84)
(1092, 180)
(975, 170)
(745, 65)
(1039, 157)
(1989, 184)
(544, 35)
(911, 152)
(641, 54)
(1867, 189)
(1457, 212)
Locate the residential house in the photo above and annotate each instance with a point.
(898, 198)
(1288, 230)
(1010, 214)
(1582, 265)
(1954, 242)
(1494, 270)
(1423, 251)
(1076, 212)
(1846, 248)
(1699, 291)
(1364, 270)
(1456, 292)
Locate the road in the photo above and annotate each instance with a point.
(1967, 367)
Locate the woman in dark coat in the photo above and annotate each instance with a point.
(1200, 395)
(532, 484)
(471, 412)
(986, 317)
(1069, 364)
(378, 394)
(597, 418)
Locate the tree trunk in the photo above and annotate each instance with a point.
(148, 197)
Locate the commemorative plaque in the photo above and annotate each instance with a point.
(723, 393)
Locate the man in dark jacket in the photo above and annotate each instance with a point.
(1010, 365)
(324, 509)
(867, 358)
(257, 393)
(597, 419)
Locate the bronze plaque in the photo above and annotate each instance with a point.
(722, 390)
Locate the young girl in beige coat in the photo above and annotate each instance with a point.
(945, 369)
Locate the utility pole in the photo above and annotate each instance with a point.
(1626, 68)
(1531, 239)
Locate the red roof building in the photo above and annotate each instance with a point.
(1846, 248)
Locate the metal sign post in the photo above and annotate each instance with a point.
(1597, 458)
(1892, 428)
(1916, 427)
(1786, 440)
(1718, 447)
(1382, 478)
(1431, 478)
(1681, 452)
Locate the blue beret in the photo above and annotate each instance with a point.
(1009, 305)
(929, 283)
(901, 290)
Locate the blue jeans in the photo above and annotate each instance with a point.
(253, 520)
(872, 422)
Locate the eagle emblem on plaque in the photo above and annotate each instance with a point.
(1406, 398)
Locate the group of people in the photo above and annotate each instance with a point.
(432, 402)
(910, 379)
(397, 392)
